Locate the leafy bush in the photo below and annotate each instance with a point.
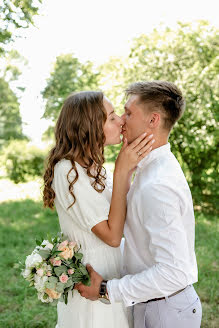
(22, 160)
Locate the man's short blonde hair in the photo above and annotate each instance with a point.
(160, 95)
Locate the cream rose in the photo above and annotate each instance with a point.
(67, 252)
(52, 293)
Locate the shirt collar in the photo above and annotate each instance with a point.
(154, 154)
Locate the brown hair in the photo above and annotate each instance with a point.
(78, 135)
(161, 94)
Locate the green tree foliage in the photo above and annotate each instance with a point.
(187, 56)
(22, 161)
(14, 15)
(68, 75)
(10, 119)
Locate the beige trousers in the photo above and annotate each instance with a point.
(183, 310)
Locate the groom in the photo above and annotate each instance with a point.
(159, 257)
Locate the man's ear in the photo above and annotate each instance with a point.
(154, 120)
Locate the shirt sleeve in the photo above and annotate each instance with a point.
(90, 208)
(161, 218)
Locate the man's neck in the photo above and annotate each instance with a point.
(160, 139)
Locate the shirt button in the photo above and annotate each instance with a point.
(194, 310)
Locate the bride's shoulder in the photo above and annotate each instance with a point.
(64, 167)
(63, 164)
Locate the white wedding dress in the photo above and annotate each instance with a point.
(90, 208)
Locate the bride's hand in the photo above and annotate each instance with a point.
(130, 155)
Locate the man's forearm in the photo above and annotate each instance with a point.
(158, 281)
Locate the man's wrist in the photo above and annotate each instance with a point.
(103, 294)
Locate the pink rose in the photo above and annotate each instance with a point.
(57, 262)
(63, 278)
(63, 244)
(71, 271)
(73, 245)
(39, 272)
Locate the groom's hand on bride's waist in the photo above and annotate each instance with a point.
(90, 292)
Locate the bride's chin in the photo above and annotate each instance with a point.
(114, 142)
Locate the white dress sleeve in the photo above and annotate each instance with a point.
(90, 208)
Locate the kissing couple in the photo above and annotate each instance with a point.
(150, 282)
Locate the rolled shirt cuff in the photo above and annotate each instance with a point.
(113, 291)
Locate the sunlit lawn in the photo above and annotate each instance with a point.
(22, 220)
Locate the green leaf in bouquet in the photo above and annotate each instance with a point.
(61, 298)
(78, 256)
(59, 270)
(73, 266)
(44, 253)
(68, 289)
(86, 281)
(50, 285)
(66, 262)
(38, 242)
(59, 236)
(49, 237)
(53, 279)
(55, 252)
(66, 297)
(69, 283)
(51, 282)
(60, 287)
(77, 277)
(83, 269)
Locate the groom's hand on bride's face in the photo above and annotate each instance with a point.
(90, 292)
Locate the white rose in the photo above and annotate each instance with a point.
(40, 283)
(43, 299)
(25, 273)
(32, 260)
(47, 244)
(49, 268)
(40, 272)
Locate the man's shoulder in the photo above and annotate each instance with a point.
(164, 172)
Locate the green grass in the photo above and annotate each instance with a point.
(23, 220)
(207, 251)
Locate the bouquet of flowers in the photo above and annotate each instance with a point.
(53, 268)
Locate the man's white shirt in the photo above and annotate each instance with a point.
(159, 257)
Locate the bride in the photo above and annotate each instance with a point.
(91, 210)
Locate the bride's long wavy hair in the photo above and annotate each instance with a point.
(78, 135)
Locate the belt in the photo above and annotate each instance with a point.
(163, 298)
